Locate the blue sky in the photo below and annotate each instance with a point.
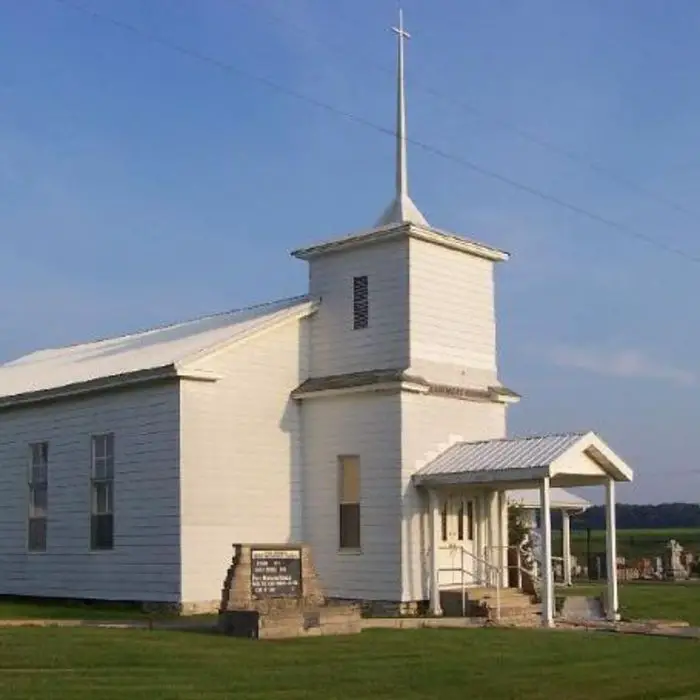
(140, 186)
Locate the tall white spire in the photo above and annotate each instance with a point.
(402, 209)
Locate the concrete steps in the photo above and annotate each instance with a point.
(515, 606)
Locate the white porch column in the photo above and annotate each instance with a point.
(566, 544)
(611, 550)
(494, 527)
(481, 539)
(434, 515)
(503, 539)
(547, 573)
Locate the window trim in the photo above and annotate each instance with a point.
(107, 479)
(31, 485)
(461, 511)
(443, 520)
(360, 305)
(355, 549)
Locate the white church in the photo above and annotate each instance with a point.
(365, 418)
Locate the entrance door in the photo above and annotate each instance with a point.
(457, 531)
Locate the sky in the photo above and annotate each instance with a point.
(157, 175)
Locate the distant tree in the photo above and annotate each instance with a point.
(639, 517)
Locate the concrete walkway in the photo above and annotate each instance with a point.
(652, 628)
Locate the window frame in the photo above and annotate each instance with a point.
(347, 504)
(443, 520)
(33, 484)
(360, 302)
(102, 479)
(461, 511)
(470, 520)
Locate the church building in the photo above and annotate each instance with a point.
(364, 418)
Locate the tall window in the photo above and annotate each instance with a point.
(460, 521)
(38, 495)
(349, 502)
(360, 302)
(102, 492)
(443, 522)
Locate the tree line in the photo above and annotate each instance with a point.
(638, 517)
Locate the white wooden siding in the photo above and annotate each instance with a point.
(368, 425)
(240, 455)
(429, 425)
(452, 315)
(335, 347)
(145, 563)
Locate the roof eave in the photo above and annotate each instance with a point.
(485, 476)
(392, 231)
(116, 381)
(93, 385)
(597, 451)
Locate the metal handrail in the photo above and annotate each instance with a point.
(532, 572)
(498, 569)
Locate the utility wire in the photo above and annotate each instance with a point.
(504, 124)
(470, 165)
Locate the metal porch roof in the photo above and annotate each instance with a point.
(574, 458)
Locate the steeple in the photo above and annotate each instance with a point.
(402, 209)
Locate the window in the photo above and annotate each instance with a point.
(360, 302)
(102, 492)
(38, 495)
(460, 521)
(443, 522)
(349, 502)
(470, 520)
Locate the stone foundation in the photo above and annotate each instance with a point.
(388, 608)
(287, 623)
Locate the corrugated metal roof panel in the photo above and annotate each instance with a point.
(500, 455)
(55, 368)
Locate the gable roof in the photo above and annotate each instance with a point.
(569, 455)
(138, 355)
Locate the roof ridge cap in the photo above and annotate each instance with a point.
(522, 438)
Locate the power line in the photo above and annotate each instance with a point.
(505, 124)
(470, 165)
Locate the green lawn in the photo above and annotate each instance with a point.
(33, 609)
(75, 664)
(633, 544)
(645, 601)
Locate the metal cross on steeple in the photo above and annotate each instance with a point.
(402, 209)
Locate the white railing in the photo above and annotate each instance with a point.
(488, 566)
(533, 571)
(520, 565)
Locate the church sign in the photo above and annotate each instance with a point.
(275, 573)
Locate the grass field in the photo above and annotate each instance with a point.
(77, 664)
(17, 609)
(81, 663)
(633, 544)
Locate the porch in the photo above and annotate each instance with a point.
(467, 511)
